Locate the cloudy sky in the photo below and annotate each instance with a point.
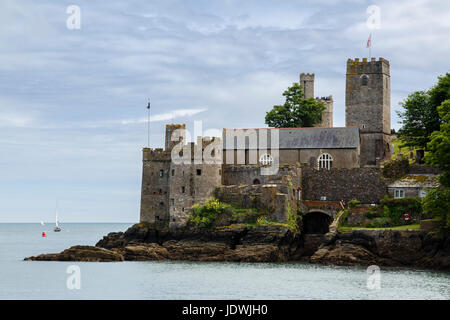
(72, 101)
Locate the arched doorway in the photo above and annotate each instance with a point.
(256, 181)
(316, 222)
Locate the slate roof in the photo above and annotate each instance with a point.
(416, 181)
(304, 138)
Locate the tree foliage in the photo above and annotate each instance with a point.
(421, 117)
(296, 111)
(419, 120)
(439, 146)
(437, 205)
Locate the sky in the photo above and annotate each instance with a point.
(73, 117)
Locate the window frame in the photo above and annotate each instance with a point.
(326, 159)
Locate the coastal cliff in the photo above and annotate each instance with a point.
(251, 243)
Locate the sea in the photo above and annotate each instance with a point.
(30, 280)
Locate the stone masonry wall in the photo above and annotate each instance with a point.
(277, 199)
(363, 184)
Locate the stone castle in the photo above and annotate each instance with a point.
(278, 169)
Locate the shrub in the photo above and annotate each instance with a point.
(205, 215)
(437, 205)
(380, 223)
(373, 213)
(395, 208)
(353, 203)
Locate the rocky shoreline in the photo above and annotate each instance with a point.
(247, 243)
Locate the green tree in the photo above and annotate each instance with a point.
(439, 145)
(441, 91)
(437, 205)
(437, 202)
(421, 117)
(296, 111)
(419, 120)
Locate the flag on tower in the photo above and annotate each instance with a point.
(369, 41)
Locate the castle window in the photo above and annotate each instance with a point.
(161, 173)
(364, 80)
(173, 172)
(199, 172)
(325, 161)
(266, 159)
(220, 172)
(172, 201)
(183, 189)
(182, 209)
(161, 204)
(160, 191)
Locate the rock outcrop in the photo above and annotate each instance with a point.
(141, 242)
(385, 248)
(274, 243)
(81, 253)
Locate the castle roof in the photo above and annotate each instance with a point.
(301, 138)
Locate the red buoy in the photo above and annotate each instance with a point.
(43, 234)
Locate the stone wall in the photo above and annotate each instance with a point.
(277, 199)
(363, 184)
(155, 185)
(251, 174)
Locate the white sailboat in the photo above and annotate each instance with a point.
(57, 228)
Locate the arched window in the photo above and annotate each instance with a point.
(325, 161)
(266, 159)
(256, 181)
(364, 80)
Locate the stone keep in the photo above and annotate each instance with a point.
(307, 82)
(368, 106)
(170, 188)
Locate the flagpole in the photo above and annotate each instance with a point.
(148, 125)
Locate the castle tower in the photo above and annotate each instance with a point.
(155, 186)
(327, 114)
(170, 128)
(307, 82)
(368, 106)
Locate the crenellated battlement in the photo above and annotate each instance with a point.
(329, 98)
(364, 66)
(157, 154)
(364, 60)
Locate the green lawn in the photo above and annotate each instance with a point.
(408, 226)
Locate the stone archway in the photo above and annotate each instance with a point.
(316, 222)
(256, 181)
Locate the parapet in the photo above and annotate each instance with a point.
(357, 66)
(306, 76)
(329, 98)
(157, 154)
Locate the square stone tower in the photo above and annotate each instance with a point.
(307, 82)
(368, 106)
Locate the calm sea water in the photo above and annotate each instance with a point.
(187, 280)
